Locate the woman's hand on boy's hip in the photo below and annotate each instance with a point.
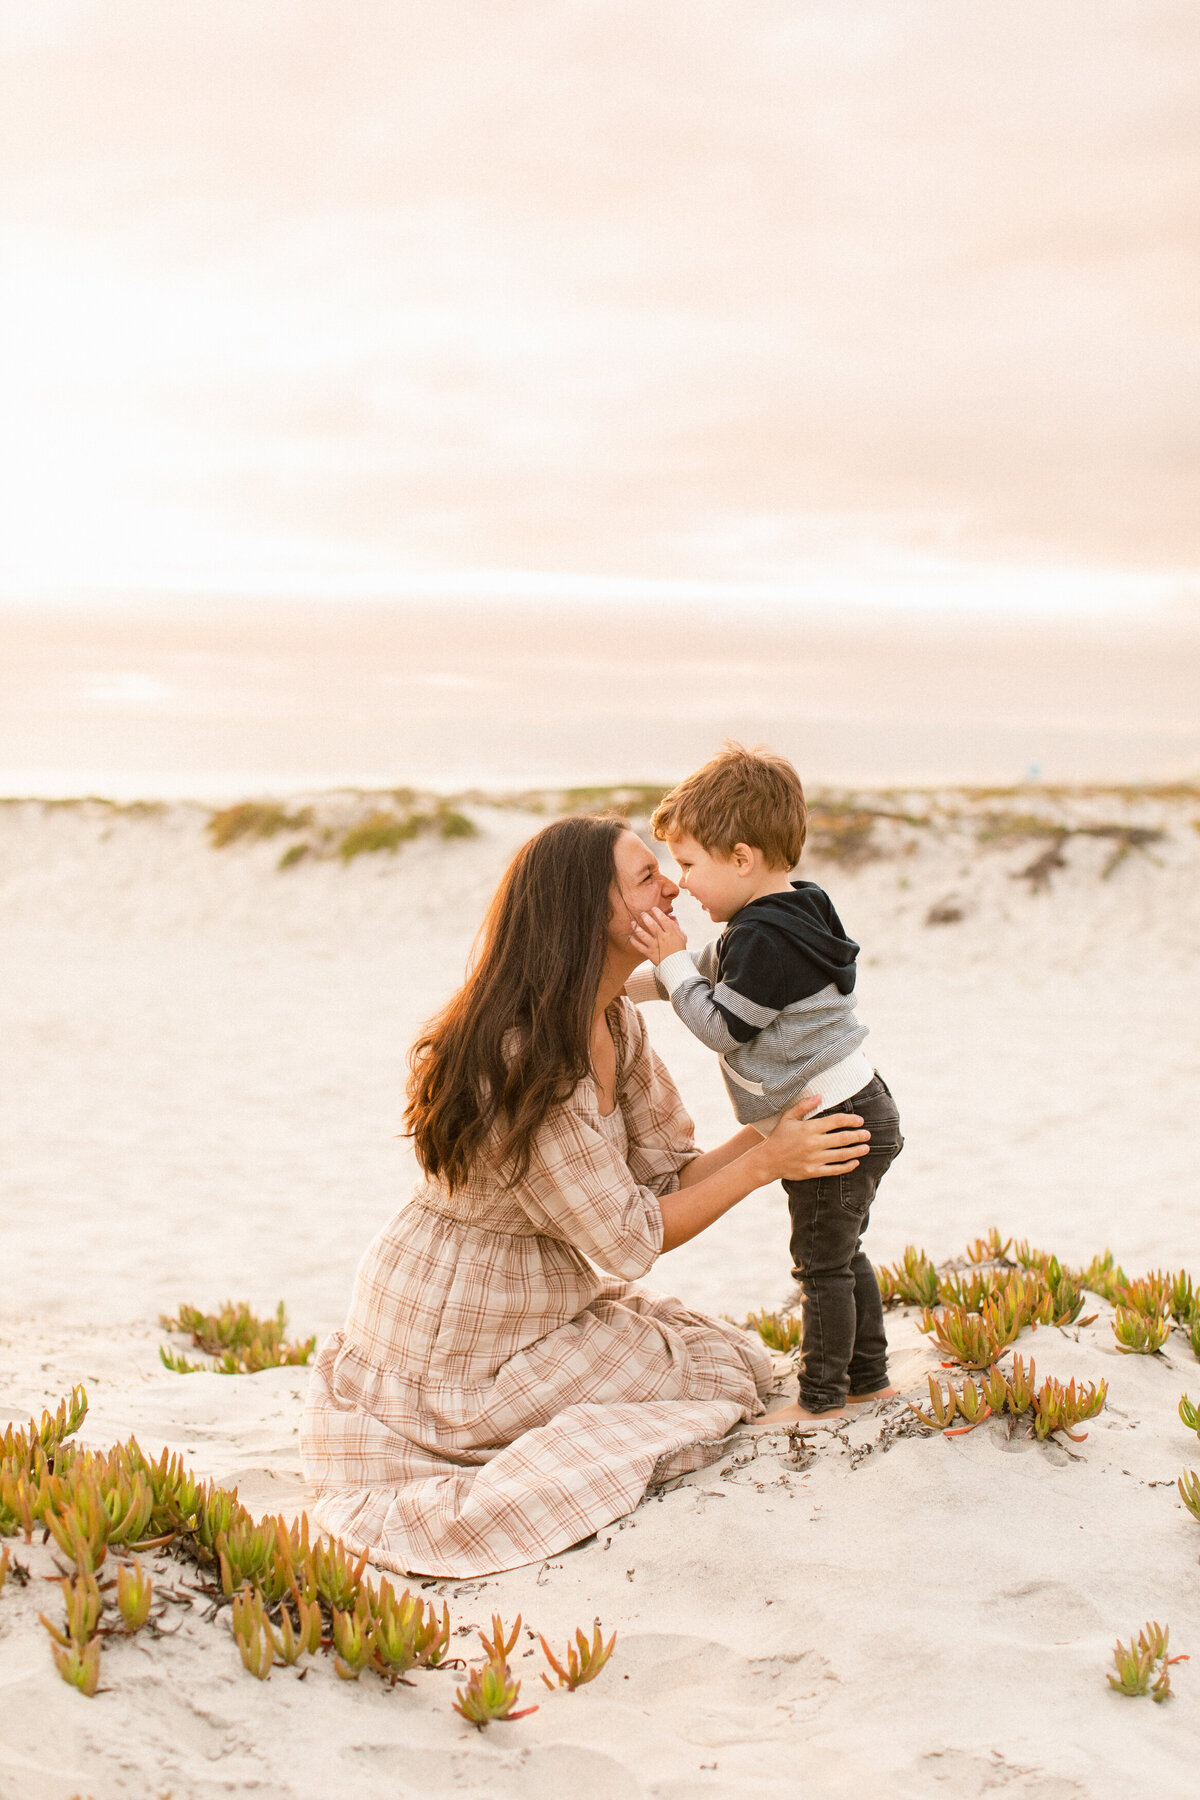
(657, 935)
(802, 1149)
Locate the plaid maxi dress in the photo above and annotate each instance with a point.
(502, 1387)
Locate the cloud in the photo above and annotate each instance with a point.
(695, 290)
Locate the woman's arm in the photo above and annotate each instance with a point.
(709, 1161)
(798, 1149)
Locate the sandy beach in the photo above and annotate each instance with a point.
(201, 1063)
(495, 399)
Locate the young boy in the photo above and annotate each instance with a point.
(774, 996)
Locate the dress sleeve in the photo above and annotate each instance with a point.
(643, 985)
(579, 1190)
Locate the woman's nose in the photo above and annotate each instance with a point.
(669, 888)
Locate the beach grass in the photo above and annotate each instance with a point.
(254, 819)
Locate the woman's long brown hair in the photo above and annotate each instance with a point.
(515, 1041)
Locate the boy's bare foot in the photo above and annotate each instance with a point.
(797, 1415)
(887, 1393)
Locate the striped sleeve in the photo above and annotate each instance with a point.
(750, 991)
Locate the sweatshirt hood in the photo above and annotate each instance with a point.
(806, 917)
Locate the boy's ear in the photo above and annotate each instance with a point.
(743, 859)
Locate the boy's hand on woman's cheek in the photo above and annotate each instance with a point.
(657, 936)
(641, 940)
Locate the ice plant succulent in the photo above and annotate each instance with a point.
(491, 1692)
(1023, 1300)
(1134, 1669)
(251, 1634)
(81, 1524)
(24, 1446)
(21, 1501)
(29, 1458)
(970, 1404)
(1009, 1301)
(290, 1642)
(243, 1553)
(941, 1410)
(354, 1640)
(242, 1343)
(260, 1643)
(406, 1632)
(1057, 1408)
(973, 1407)
(976, 1340)
(1066, 1289)
(1104, 1277)
(995, 1390)
(971, 1293)
(288, 1597)
(1053, 1406)
(489, 1696)
(279, 1574)
(1135, 1663)
(992, 1248)
(1150, 1296)
(337, 1574)
(501, 1644)
(1045, 1296)
(1185, 1302)
(79, 1665)
(1140, 1334)
(81, 1595)
(125, 1494)
(913, 1281)
(76, 1649)
(135, 1591)
(1189, 1491)
(176, 1492)
(57, 1427)
(1020, 1385)
(778, 1330)
(583, 1660)
(217, 1509)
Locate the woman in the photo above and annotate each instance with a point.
(502, 1388)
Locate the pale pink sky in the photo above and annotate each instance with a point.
(329, 298)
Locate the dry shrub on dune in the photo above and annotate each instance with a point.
(252, 820)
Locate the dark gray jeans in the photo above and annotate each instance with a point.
(845, 1346)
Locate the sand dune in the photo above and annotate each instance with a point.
(201, 1059)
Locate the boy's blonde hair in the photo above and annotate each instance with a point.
(740, 797)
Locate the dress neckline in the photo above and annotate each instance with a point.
(591, 1083)
(616, 1030)
(611, 1123)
